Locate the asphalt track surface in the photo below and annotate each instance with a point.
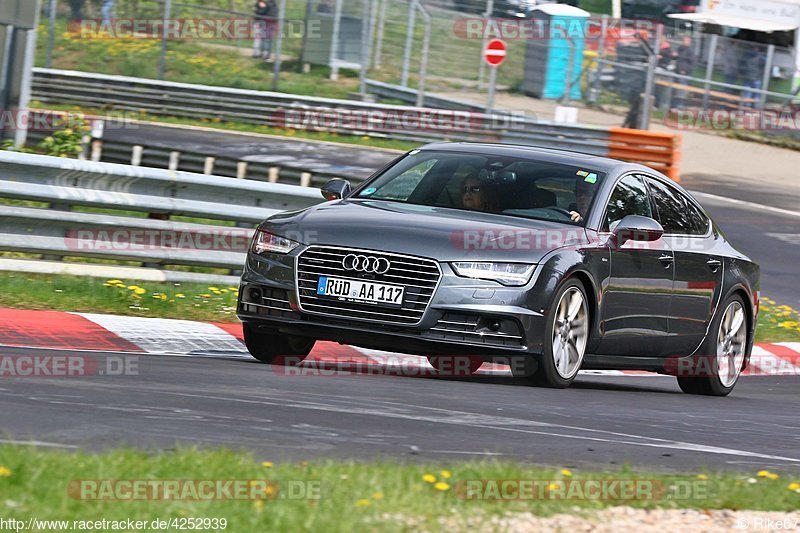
(601, 422)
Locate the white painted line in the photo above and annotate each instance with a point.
(38, 443)
(750, 205)
(167, 336)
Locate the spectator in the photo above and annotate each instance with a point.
(730, 65)
(752, 70)
(266, 12)
(684, 65)
(108, 7)
(77, 7)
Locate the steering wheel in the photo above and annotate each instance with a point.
(560, 210)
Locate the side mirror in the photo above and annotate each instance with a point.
(335, 189)
(637, 228)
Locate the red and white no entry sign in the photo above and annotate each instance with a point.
(495, 52)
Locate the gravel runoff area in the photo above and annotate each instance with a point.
(615, 519)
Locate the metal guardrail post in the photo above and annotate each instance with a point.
(162, 61)
(409, 43)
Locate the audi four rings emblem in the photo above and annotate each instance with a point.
(365, 263)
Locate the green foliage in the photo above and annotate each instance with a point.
(67, 141)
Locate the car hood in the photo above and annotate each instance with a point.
(441, 233)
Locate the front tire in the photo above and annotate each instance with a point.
(715, 371)
(273, 348)
(566, 337)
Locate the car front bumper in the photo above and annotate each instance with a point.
(464, 316)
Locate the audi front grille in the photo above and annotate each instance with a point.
(418, 275)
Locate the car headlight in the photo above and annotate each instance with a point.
(511, 274)
(264, 241)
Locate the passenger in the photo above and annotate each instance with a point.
(474, 195)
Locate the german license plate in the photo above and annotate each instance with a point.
(358, 291)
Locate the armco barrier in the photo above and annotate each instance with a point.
(161, 98)
(156, 242)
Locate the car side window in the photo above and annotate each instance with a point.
(404, 185)
(675, 212)
(630, 197)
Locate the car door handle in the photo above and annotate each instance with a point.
(714, 264)
(667, 260)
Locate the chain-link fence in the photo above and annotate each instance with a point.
(635, 70)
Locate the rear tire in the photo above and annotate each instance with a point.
(273, 348)
(720, 360)
(455, 365)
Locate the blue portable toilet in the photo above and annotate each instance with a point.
(559, 28)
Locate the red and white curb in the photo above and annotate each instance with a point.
(89, 331)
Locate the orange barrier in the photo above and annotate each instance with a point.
(660, 151)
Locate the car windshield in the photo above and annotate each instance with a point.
(494, 184)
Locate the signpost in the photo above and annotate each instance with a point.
(494, 54)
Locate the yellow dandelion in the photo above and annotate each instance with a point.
(114, 281)
(446, 474)
(429, 478)
(180, 295)
(566, 472)
(377, 495)
(205, 296)
(788, 324)
(794, 486)
(441, 486)
(4, 471)
(267, 464)
(702, 476)
(552, 486)
(270, 490)
(234, 288)
(212, 289)
(133, 287)
(258, 505)
(773, 476)
(139, 290)
(363, 503)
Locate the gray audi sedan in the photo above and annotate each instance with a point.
(547, 260)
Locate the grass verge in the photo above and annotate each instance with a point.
(196, 301)
(350, 496)
(188, 301)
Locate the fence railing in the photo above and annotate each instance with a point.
(281, 110)
(134, 224)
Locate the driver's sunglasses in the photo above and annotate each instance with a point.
(473, 189)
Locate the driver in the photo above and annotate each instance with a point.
(584, 192)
